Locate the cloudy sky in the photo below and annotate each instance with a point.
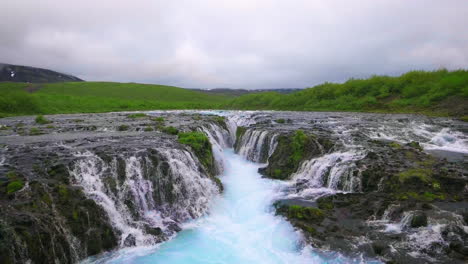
(235, 43)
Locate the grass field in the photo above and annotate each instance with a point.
(89, 97)
(436, 93)
(442, 92)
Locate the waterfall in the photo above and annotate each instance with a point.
(334, 171)
(220, 138)
(257, 145)
(145, 192)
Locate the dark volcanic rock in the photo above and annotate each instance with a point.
(50, 212)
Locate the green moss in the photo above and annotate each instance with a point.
(277, 173)
(427, 163)
(280, 121)
(240, 132)
(170, 130)
(50, 127)
(423, 197)
(75, 215)
(299, 140)
(464, 118)
(220, 119)
(148, 129)
(311, 230)
(137, 115)
(423, 174)
(4, 127)
(325, 204)
(40, 119)
(218, 183)
(201, 145)
(304, 213)
(35, 131)
(11, 175)
(123, 128)
(46, 199)
(395, 145)
(15, 186)
(158, 119)
(63, 191)
(415, 145)
(432, 196)
(78, 120)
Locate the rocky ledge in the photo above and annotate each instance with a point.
(400, 199)
(73, 186)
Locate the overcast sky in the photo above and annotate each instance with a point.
(237, 43)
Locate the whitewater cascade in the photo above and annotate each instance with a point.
(145, 197)
(257, 145)
(148, 194)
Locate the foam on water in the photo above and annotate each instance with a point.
(241, 228)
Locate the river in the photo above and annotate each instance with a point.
(240, 228)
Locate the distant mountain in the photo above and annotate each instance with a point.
(16, 73)
(239, 92)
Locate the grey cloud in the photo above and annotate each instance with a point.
(242, 44)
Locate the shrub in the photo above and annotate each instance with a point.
(123, 128)
(170, 130)
(40, 119)
(280, 121)
(14, 186)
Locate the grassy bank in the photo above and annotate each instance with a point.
(441, 93)
(436, 93)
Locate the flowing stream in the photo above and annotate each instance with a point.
(241, 228)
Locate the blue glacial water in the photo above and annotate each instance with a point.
(241, 228)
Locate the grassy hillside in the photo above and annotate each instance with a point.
(438, 92)
(88, 97)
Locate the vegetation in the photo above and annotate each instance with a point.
(170, 130)
(41, 120)
(422, 174)
(201, 145)
(137, 115)
(438, 92)
(280, 121)
(14, 186)
(158, 119)
(298, 144)
(34, 131)
(123, 128)
(302, 213)
(94, 97)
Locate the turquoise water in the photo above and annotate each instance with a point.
(241, 228)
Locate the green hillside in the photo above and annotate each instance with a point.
(438, 92)
(88, 97)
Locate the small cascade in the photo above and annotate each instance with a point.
(257, 145)
(220, 138)
(334, 171)
(144, 193)
(431, 137)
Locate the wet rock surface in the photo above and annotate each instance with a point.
(84, 185)
(392, 187)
